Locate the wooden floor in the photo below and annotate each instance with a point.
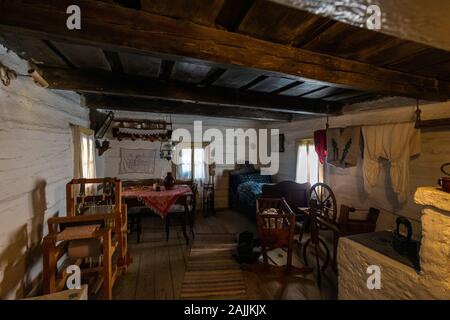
(158, 266)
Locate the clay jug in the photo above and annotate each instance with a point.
(169, 181)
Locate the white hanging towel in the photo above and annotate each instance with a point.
(396, 143)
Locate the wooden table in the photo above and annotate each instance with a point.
(161, 202)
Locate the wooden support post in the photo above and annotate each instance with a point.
(49, 267)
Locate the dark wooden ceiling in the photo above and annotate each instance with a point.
(100, 72)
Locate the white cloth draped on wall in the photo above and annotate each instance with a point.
(395, 142)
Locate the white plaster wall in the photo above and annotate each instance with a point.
(36, 161)
(347, 184)
(111, 158)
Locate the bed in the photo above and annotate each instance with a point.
(245, 187)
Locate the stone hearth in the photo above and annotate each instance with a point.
(399, 281)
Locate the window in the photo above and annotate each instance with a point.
(309, 168)
(84, 155)
(199, 163)
(84, 152)
(185, 166)
(191, 159)
(87, 156)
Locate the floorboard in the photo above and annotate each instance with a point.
(158, 266)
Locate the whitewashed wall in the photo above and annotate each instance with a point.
(111, 158)
(347, 184)
(36, 161)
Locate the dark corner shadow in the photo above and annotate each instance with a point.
(23, 253)
(33, 256)
(13, 264)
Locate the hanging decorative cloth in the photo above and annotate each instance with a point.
(396, 143)
(320, 144)
(343, 146)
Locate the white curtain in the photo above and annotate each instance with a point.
(191, 162)
(84, 154)
(184, 170)
(199, 164)
(309, 168)
(88, 156)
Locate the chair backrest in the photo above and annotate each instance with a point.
(193, 199)
(275, 229)
(349, 226)
(190, 199)
(141, 182)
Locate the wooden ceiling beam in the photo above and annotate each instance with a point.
(212, 77)
(103, 82)
(405, 19)
(287, 87)
(166, 69)
(110, 102)
(114, 61)
(232, 13)
(254, 82)
(123, 29)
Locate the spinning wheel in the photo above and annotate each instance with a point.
(325, 202)
(322, 213)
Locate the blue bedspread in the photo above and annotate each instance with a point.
(249, 191)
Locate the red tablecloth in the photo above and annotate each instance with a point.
(158, 201)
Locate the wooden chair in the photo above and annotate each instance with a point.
(183, 211)
(208, 206)
(140, 182)
(135, 208)
(349, 226)
(346, 226)
(276, 231)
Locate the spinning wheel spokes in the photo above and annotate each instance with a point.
(325, 200)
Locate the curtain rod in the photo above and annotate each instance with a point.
(370, 125)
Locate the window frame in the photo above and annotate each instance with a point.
(310, 147)
(90, 156)
(192, 146)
